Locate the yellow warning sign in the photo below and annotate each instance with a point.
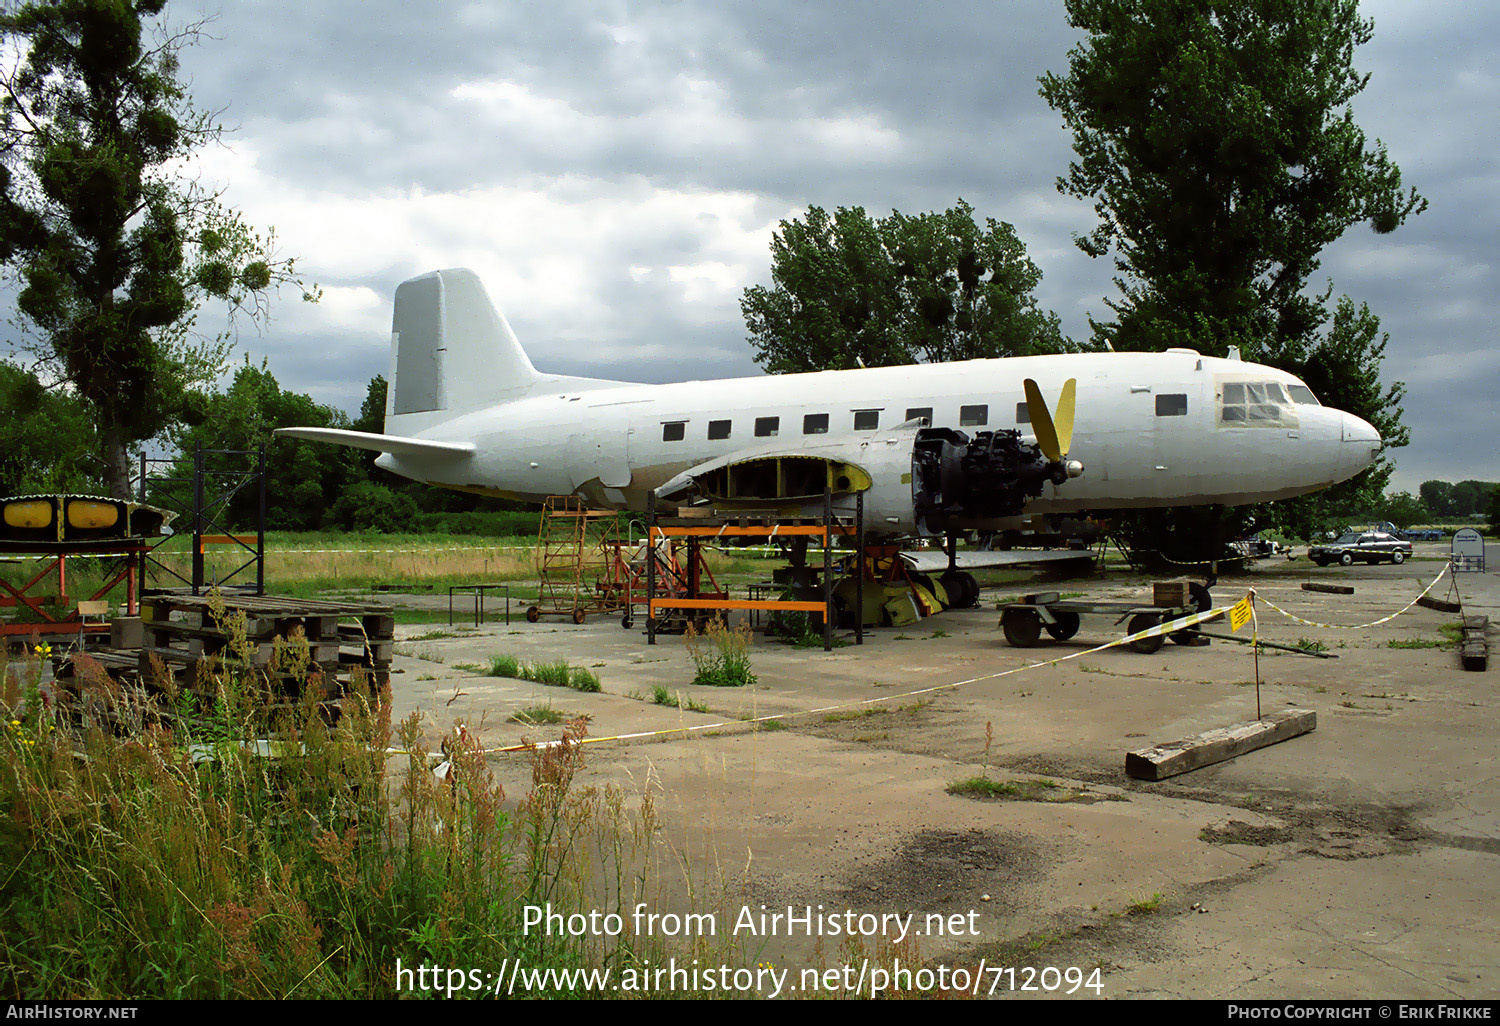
(1239, 614)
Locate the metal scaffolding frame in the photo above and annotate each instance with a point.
(205, 509)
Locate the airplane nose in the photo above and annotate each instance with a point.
(1361, 443)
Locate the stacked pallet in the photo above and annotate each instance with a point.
(184, 634)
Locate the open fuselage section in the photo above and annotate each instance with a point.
(1151, 429)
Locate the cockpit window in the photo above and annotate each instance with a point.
(1302, 394)
(1255, 404)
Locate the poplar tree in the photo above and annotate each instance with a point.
(1216, 141)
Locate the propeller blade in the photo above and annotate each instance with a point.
(1041, 422)
(1063, 424)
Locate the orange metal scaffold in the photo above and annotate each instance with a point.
(574, 561)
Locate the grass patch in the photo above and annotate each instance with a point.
(539, 715)
(721, 655)
(1415, 643)
(839, 717)
(504, 666)
(558, 673)
(984, 787)
(1144, 907)
(581, 679)
(662, 695)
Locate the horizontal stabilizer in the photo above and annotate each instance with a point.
(394, 444)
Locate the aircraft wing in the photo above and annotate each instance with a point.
(394, 444)
(935, 561)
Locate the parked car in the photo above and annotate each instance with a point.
(1365, 546)
(1256, 547)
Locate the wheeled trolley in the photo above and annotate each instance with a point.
(1023, 622)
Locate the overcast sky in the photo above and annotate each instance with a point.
(613, 171)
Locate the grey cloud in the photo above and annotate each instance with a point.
(357, 100)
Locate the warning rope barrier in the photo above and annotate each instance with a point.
(1158, 630)
(1239, 613)
(1358, 626)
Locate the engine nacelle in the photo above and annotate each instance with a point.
(916, 480)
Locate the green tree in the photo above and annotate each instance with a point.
(1494, 510)
(1404, 509)
(1216, 141)
(46, 437)
(1437, 496)
(850, 291)
(1471, 497)
(112, 246)
(303, 479)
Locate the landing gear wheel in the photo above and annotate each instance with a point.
(1347, 559)
(1398, 558)
(962, 589)
(1140, 622)
(578, 615)
(1065, 627)
(1202, 602)
(1022, 629)
(533, 614)
(625, 621)
(971, 590)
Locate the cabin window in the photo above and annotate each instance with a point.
(866, 420)
(1171, 405)
(815, 424)
(920, 413)
(973, 416)
(718, 429)
(674, 432)
(1023, 415)
(767, 427)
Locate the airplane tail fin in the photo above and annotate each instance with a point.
(452, 352)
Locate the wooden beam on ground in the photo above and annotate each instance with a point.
(1441, 605)
(1476, 644)
(1332, 589)
(1212, 746)
(1262, 643)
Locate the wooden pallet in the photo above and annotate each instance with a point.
(186, 633)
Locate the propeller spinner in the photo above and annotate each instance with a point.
(1054, 436)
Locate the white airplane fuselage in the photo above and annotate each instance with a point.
(607, 442)
(1151, 429)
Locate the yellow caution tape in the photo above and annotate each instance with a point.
(1360, 626)
(1170, 627)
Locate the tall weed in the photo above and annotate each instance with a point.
(204, 842)
(720, 655)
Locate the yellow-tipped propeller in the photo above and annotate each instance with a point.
(1052, 437)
